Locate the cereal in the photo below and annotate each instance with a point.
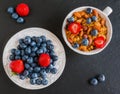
(88, 30)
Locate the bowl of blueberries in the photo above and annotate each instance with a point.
(34, 58)
(87, 30)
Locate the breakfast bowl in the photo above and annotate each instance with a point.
(87, 30)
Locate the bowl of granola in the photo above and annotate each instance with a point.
(87, 30)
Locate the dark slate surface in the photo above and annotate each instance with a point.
(50, 14)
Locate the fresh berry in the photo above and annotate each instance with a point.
(44, 60)
(101, 78)
(37, 69)
(22, 46)
(94, 32)
(89, 10)
(30, 60)
(40, 51)
(22, 77)
(24, 58)
(33, 43)
(17, 66)
(33, 81)
(94, 81)
(26, 73)
(33, 65)
(13, 51)
(71, 19)
(15, 16)
(94, 18)
(85, 42)
(34, 75)
(17, 57)
(53, 70)
(74, 27)
(22, 9)
(27, 66)
(88, 21)
(27, 50)
(17, 52)
(20, 20)
(10, 10)
(27, 40)
(44, 82)
(54, 58)
(38, 81)
(99, 42)
(76, 45)
(12, 57)
(30, 69)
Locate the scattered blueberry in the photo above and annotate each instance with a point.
(22, 77)
(34, 49)
(33, 43)
(26, 73)
(94, 18)
(17, 52)
(38, 40)
(38, 81)
(13, 51)
(33, 81)
(71, 19)
(89, 10)
(20, 20)
(10, 10)
(15, 16)
(30, 69)
(30, 60)
(37, 69)
(94, 32)
(34, 75)
(27, 50)
(40, 51)
(27, 66)
(43, 38)
(24, 57)
(94, 81)
(76, 45)
(101, 78)
(89, 20)
(23, 46)
(44, 82)
(17, 57)
(27, 40)
(22, 53)
(12, 57)
(85, 42)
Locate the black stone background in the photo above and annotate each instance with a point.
(49, 14)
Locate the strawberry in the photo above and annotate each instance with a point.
(17, 66)
(44, 60)
(22, 9)
(74, 27)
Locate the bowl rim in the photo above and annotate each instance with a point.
(94, 51)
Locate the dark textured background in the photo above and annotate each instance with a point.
(50, 14)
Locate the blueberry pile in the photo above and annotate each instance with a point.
(28, 50)
(14, 15)
(95, 80)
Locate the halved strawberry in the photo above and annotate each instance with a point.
(17, 66)
(74, 27)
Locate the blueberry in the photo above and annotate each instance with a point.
(37, 69)
(43, 44)
(35, 59)
(33, 38)
(34, 75)
(27, 40)
(12, 57)
(30, 60)
(22, 77)
(88, 20)
(33, 64)
(13, 51)
(43, 74)
(53, 63)
(21, 41)
(30, 69)
(17, 57)
(22, 53)
(23, 46)
(33, 43)
(101, 78)
(94, 32)
(52, 53)
(44, 82)
(38, 44)
(76, 45)
(53, 70)
(94, 18)
(50, 47)
(94, 81)
(55, 58)
(27, 50)
(51, 60)
(15, 16)
(85, 42)
(34, 49)
(44, 50)
(10, 10)
(33, 81)
(71, 19)
(27, 66)
(26, 73)
(20, 20)
(17, 52)
(50, 66)
(89, 10)
(24, 58)
(40, 51)
(47, 70)
(43, 38)
(33, 54)
(48, 42)
(39, 40)
(38, 81)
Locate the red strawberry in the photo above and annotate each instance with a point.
(22, 9)
(17, 66)
(44, 60)
(74, 27)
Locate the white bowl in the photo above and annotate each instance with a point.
(58, 48)
(104, 14)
